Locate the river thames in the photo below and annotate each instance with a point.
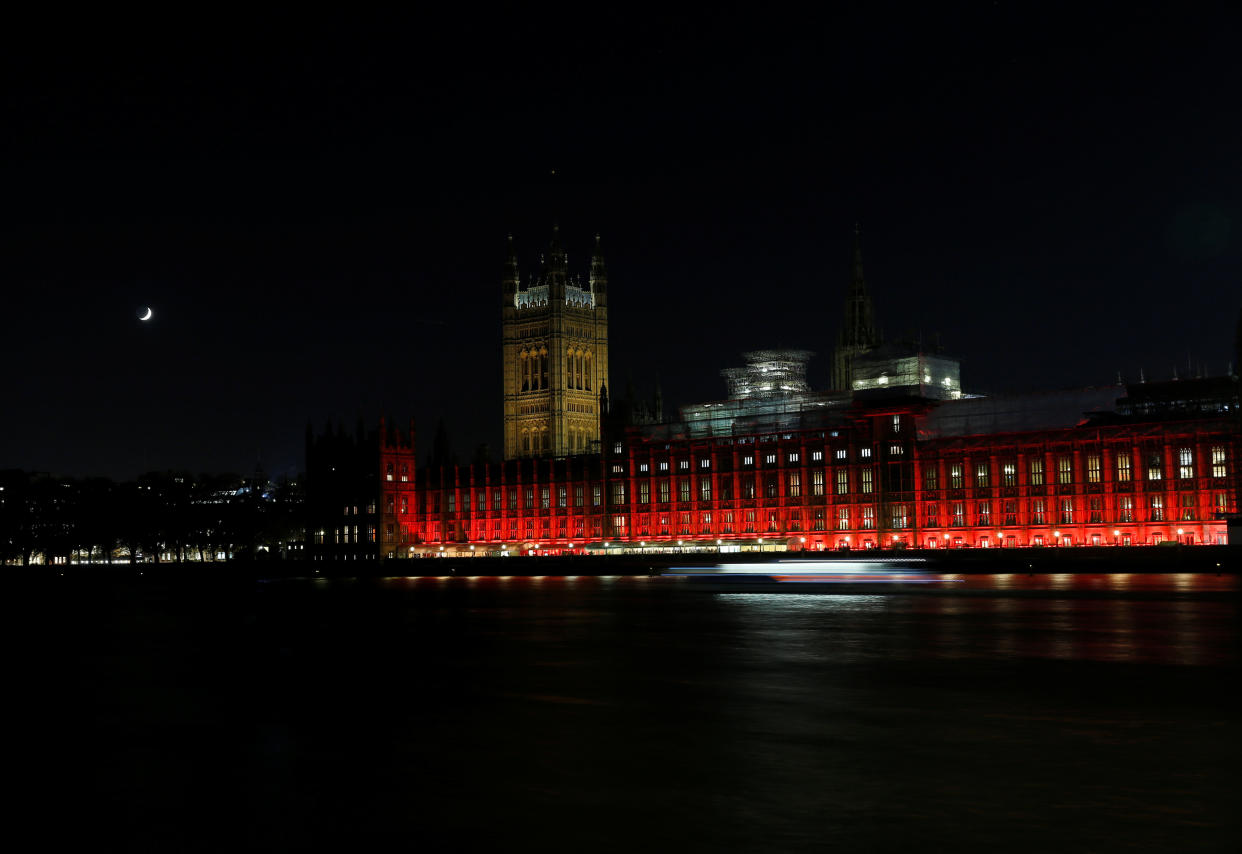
(1011, 713)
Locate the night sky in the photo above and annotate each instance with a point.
(316, 212)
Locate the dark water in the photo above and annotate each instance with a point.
(614, 714)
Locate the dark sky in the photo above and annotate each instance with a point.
(316, 211)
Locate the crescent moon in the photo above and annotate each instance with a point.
(148, 315)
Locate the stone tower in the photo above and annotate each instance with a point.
(858, 331)
(555, 355)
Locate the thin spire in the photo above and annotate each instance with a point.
(512, 283)
(599, 274)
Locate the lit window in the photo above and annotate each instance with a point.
(616, 447)
(955, 476)
(663, 490)
(896, 423)
(1123, 468)
(770, 459)
(705, 463)
(839, 453)
(896, 450)
(683, 489)
(817, 456)
(1154, 471)
(1037, 472)
(866, 486)
(748, 460)
(981, 474)
(1065, 470)
(644, 492)
(1067, 511)
(868, 517)
(793, 456)
(683, 465)
(843, 482)
(795, 484)
(1157, 508)
(1037, 511)
(959, 514)
(1009, 474)
(562, 496)
(597, 494)
(1218, 461)
(664, 466)
(985, 513)
(1185, 463)
(705, 489)
(545, 498)
(617, 468)
(817, 483)
(843, 518)
(864, 453)
(1093, 468)
(642, 467)
(931, 478)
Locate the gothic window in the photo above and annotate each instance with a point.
(1037, 472)
(1157, 508)
(1154, 469)
(981, 474)
(1186, 463)
(1065, 470)
(1123, 468)
(1125, 508)
(586, 371)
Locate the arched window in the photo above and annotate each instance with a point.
(578, 370)
(543, 369)
(524, 371)
(586, 370)
(526, 441)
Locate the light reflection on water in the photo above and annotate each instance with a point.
(631, 713)
(1009, 627)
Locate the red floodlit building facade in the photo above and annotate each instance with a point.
(870, 482)
(900, 459)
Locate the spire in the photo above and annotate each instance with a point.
(555, 267)
(510, 280)
(599, 275)
(859, 329)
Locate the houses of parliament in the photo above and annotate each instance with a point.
(896, 455)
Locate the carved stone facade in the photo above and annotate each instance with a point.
(555, 357)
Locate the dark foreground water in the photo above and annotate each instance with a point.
(622, 714)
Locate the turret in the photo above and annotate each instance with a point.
(510, 278)
(599, 275)
(555, 268)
